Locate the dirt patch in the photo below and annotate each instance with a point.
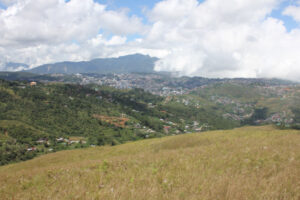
(116, 121)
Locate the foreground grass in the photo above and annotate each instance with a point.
(245, 163)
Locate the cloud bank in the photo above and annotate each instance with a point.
(39, 31)
(232, 39)
(211, 38)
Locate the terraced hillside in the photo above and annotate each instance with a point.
(244, 163)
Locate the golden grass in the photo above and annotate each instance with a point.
(77, 138)
(245, 163)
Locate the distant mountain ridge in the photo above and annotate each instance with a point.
(123, 64)
(13, 67)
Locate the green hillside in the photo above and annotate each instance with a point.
(244, 163)
(37, 116)
(240, 101)
(46, 117)
(244, 93)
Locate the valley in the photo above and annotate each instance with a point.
(40, 113)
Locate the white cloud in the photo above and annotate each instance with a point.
(8, 2)
(100, 40)
(39, 31)
(235, 38)
(293, 11)
(213, 38)
(31, 22)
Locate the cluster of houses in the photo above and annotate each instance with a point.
(60, 140)
(66, 141)
(154, 83)
(281, 117)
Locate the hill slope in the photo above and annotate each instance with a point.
(245, 163)
(37, 116)
(123, 64)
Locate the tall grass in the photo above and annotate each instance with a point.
(245, 163)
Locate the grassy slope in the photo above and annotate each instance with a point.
(245, 163)
(243, 93)
(275, 100)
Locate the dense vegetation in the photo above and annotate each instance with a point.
(259, 114)
(296, 112)
(48, 116)
(33, 118)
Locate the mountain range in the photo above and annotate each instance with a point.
(123, 64)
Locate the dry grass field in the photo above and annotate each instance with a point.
(245, 163)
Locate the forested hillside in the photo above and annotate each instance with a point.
(37, 118)
(47, 116)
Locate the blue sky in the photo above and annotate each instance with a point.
(1, 5)
(289, 22)
(136, 6)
